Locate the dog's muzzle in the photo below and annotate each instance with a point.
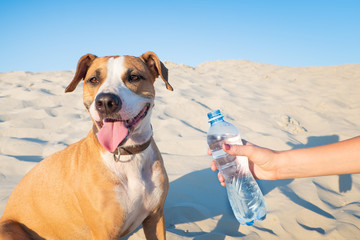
(107, 104)
(113, 130)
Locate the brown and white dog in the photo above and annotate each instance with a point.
(107, 184)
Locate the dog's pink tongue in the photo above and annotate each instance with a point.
(112, 134)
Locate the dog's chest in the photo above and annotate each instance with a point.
(139, 187)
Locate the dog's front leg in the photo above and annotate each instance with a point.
(154, 226)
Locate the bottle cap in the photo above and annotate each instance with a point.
(214, 115)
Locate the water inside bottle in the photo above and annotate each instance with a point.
(246, 199)
(243, 192)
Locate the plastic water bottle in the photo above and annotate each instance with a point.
(244, 194)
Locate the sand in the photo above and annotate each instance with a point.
(273, 106)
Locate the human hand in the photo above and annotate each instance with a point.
(262, 161)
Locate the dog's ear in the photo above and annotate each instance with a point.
(156, 67)
(81, 69)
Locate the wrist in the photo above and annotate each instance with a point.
(282, 168)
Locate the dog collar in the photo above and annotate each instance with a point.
(130, 150)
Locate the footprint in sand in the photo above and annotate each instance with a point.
(289, 124)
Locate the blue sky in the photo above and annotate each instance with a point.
(37, 35)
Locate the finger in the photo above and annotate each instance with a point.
(213, 166)
(221, 180)
(238, 150)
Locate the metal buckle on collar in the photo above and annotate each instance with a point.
(117, 155)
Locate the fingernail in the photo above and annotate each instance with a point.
(227, 146)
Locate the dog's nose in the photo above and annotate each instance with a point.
(107, 103)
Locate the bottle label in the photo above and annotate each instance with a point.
(234, 140)
(219, 154)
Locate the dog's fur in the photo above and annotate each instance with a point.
(85, 191)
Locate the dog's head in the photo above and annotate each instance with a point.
(119, 95)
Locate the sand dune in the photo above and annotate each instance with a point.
(273, 106)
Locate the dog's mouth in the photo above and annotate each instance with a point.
(114, 132)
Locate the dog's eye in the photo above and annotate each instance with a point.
(134, 78)
(93, 80)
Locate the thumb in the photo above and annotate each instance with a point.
(237, 150)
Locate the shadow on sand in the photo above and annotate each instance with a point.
(190, 201)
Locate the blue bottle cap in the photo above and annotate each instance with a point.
(214, 115)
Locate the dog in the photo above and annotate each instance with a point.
(113, 180)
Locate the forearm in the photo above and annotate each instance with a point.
(338, 158)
